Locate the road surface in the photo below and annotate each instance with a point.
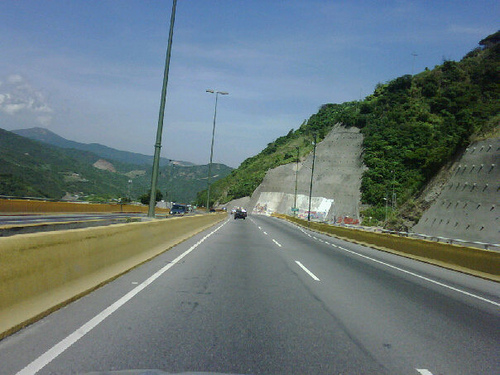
(263, 296)
(21, 224)
(60, 218)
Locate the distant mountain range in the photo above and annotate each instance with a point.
(50, 166)
(46, 136)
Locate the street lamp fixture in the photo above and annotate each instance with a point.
(217, 93)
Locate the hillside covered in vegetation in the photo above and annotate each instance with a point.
(31, 168)
(412, 126)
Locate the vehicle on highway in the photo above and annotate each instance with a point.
(178, 209)
(240, 213)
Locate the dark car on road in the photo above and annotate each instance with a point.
(240, 214)
(178, 209)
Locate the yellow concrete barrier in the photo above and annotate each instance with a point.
(478, 262)
(40, 272)
(35, 206)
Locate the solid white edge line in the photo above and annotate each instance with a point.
(314, 277)
(425, 278)
(276, 242)
(60, 347)
(420, 276)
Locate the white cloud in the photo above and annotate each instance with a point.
(12, 109)
(22, 102)
(469, 30)
(14, 79)
(44, 120)
(3, 97)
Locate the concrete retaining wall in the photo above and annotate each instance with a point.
(478, 262)
(467, 206)
(40, 272)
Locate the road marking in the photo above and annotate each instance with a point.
(426, 278)
(307, 271)
(420, 276)
(276, 242)
(423, 371)
(60, 347)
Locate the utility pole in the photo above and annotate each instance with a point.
(393, 191)
(386, 199)
(311, 185)
(296, 173)
(156, 160)
(212, 145)
(413, 62)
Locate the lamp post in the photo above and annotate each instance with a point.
(413, 62)
(394, 195)
(212, 146)
(386, 202)
(311, 185)
(296, 172)
(156, 160)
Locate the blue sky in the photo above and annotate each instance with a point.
(92, 71)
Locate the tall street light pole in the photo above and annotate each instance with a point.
(296, 179)
(311, 185)
(212, 146)
(156, 160)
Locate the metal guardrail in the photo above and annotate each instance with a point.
(478, 244)
(30, 198)
(484, 245)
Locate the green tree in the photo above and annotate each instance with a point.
(145, 198)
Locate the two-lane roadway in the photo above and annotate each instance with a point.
(263, 296)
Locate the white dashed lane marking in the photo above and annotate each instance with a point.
(313, 276)
(412, 274)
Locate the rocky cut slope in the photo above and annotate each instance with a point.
(463, 199)
(336, 181)
(464, 202)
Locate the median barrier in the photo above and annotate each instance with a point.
(38, 206)
(41, 272)
(478, 262)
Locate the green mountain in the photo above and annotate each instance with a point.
(412, 126)
(46, 136)
(30, 168)
(36, 169)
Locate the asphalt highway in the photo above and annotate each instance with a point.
(43, 219)
(263, 296)
(21, 224)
